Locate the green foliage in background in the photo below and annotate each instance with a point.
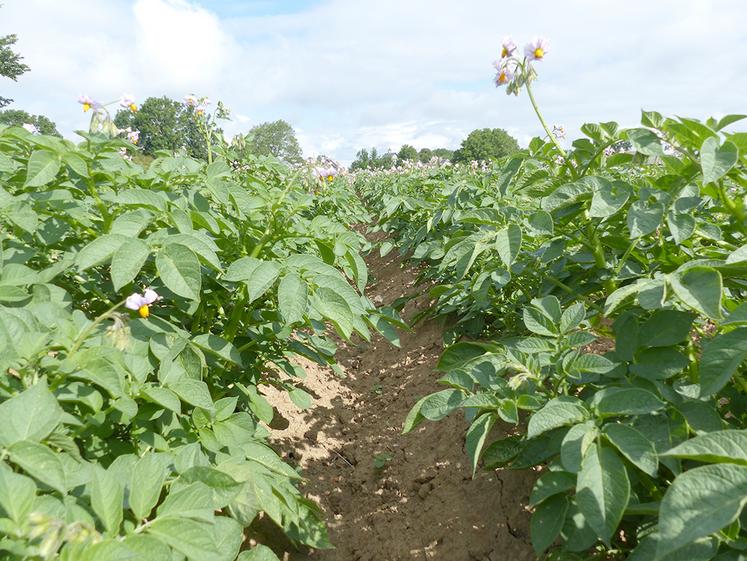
(484, 145)
(16, 117)
(164, 124)
(277, 139)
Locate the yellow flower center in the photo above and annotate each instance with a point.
(86, 107)
(144, 311)
(539, 53)
(502, 78)
(133, 107)
(330, 177)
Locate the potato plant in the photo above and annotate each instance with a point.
(607, 290)
(142, 312)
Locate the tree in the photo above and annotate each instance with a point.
(10, 63)
(275, 139)
(485, 144)
(407, 153)
(362, 160)
(164, 124)
(16, 117)
(443, 153)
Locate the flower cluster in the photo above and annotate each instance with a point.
(199, 104)
(558, 131)
(512, 71)
(126, 101)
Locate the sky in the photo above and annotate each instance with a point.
(348, 74)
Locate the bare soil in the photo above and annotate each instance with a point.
(423, 504)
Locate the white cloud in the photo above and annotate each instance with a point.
(351, 74)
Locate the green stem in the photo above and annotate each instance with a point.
(238, 310)
(544, 124)
(88, 330)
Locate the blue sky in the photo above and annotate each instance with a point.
(352, 73)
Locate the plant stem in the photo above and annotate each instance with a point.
(87, 331)
(544, 124)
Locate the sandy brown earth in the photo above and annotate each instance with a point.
(423, 503)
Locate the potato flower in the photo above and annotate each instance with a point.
(87, 103)
(505, 75)
(31, 128)
(128, 102)
(132, 136)
(141, 302)
(508, 47)
(536, 49)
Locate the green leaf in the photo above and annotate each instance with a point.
(261, 279)
(218, 346)
(127, 262)
(17, 494)
(681, 225)
(459, 354)
(508, 243)
(106, 498)
(258, 553)
(725, 446)
(148, 477)
(558, 412)
(541, 223)
(40, 462)
(665, 328)
(194, 392)
(301, 398)
(609, 198)
(700, 288)
(189, 537)
(547, 522)
(163, 397)
(99, 251)
(612, 401)
(575, 444)
(699, 502)
(550, 484)
(644, 217)
(179, 270)
(645, 142)
(437, 405)
(194, 500)
(30, 415)
(634, 446)
(715, 160)
(292, 298)
(43, 167)
(475, 439)
(572, 317)
(721, 358)
(603, 490)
